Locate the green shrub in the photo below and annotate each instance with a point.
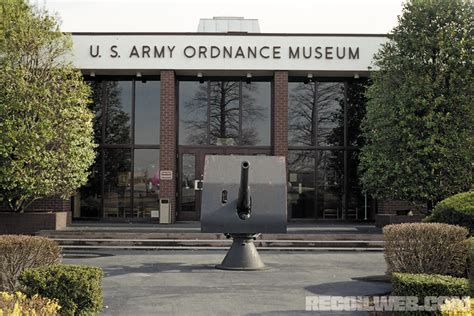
(457, 210)
(20, 252)
(422, 285)
(431, 248)
(470, 266)
(18, 305)
(78, 288)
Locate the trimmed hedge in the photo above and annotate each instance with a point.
(18, 252)
(423, 285)
(77, 288)
(457, 210)
(431, 248)
(19, 304)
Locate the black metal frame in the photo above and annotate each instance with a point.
(131, 146)
(346, 148)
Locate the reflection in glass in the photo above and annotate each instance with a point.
(256, 113)
(301, 114)
(146, 181)
(147, 112)
(90, 194)
(117, 183)
(330, 183)
(316, 111)
(356, 108)
(301, 183)
(187, 183)
(118, 95)
(193, 105)
(356, 199)
(224, 115)
(330, 113)
(99, 93)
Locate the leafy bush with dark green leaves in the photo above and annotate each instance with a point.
(432, 248)
(470, 266)
(422, 285)
(457, 210)
(412, 284)
(77, 288)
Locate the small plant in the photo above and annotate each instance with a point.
(77, 288)
(430, 248)
(457, 210)
(458, 307)
(20, 252)
(18, 304)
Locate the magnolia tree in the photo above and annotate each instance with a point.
(46, 136)
(420, 111)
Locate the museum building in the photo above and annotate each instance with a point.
(163, 101)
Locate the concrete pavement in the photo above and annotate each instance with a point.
(186, 283)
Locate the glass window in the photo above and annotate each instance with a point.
(301, 114)
(225, 113)
(147, 112)
(330, 183)
(356, 107)
(98, 102)
(117, 183)
(146, 181)
(301, 174)
(118, 97)
(90, 195)
(330, 113)
(224, 116)
(256, 113)
(193, 106)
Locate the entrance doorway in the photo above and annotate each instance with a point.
(191, 172)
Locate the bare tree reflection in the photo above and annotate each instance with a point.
(225, 110)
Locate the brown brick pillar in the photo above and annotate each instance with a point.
(168, 138)
(280, 114)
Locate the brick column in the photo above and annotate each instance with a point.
(280, 114)
(168, 138)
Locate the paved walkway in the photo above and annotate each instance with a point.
(186, 282)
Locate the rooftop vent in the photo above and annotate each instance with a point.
(228, 24)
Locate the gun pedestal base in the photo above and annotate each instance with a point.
(242, 255)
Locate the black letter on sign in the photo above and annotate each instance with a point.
(261, 52)
(193, 51)
(96, 51)
(113, 50)
(353, 55)
(276, 52)
(134, 52)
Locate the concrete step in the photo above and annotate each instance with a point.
(76, 239)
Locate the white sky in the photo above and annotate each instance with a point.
(275, 16)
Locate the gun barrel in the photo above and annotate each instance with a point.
(244, 202)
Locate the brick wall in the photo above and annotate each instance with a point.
(47, 204)
(392, 206)
(280, 114)
(168, 137)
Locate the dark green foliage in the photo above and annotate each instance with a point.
(457, 210)
(470, 266)
(422, 285)
(418, 127)
(78, 288)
